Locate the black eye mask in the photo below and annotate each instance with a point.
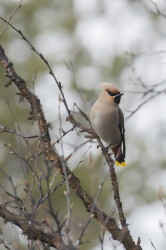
(111, 94)
(117, 96)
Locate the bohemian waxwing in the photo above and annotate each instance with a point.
(108, 121)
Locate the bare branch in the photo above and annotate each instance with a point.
(9, 19)
(43, 198)
(158, 12)
(64, 133)
(5, 129)
(32, 231)
(152, 245)
(83, 229)
(101, 239)
(140, 105)
(67, 192)
(51, 154)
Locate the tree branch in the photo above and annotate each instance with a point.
(12, 131)
(31, 230)
(83, 129)
(121, 235)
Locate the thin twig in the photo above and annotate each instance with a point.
(64, 133)
(8, 130)
(67, 193)
(12, 151)
(140, 105)
(152, 244)
(6, 244)
(81, 160)
(32, 230)
(79, 241)
(9, 19)
(43, 198)
(101, 239)
(158, 12)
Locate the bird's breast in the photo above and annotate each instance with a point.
(105, 122)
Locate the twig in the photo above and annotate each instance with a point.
(150, 91)
(9, 19)
(30, 229)
(81, 160)
(80, 145)
(43, 198)
(8, 130)
(53, 213)
(6, 244)
(67, 193)
(12, 151)
(140, 105)
(64, 133)
(79, 241)
(14, 197)
(82, 113)
(101, 239)
(152, 244)
(158, 12)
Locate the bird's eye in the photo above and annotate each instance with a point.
(110, 93)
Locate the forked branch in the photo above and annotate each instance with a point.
(121, 235)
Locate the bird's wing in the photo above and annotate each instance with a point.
(122, 130)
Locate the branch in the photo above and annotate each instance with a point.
(10, 17)
(48, 150)
(12, 131)
(83, 129)
(158, 12)
(31, 230)
(141, 104)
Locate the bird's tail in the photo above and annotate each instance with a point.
(119, 156)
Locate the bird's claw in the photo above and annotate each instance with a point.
(105, 149)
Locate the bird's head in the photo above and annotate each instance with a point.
(111, 93)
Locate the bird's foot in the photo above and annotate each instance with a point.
(105, 149)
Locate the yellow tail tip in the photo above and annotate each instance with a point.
(122, 164)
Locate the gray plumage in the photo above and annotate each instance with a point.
(107, 118)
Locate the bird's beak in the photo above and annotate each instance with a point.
(120, 94)
(117, 98)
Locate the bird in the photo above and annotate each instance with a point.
(107, 120)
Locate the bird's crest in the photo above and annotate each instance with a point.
(109, 87)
